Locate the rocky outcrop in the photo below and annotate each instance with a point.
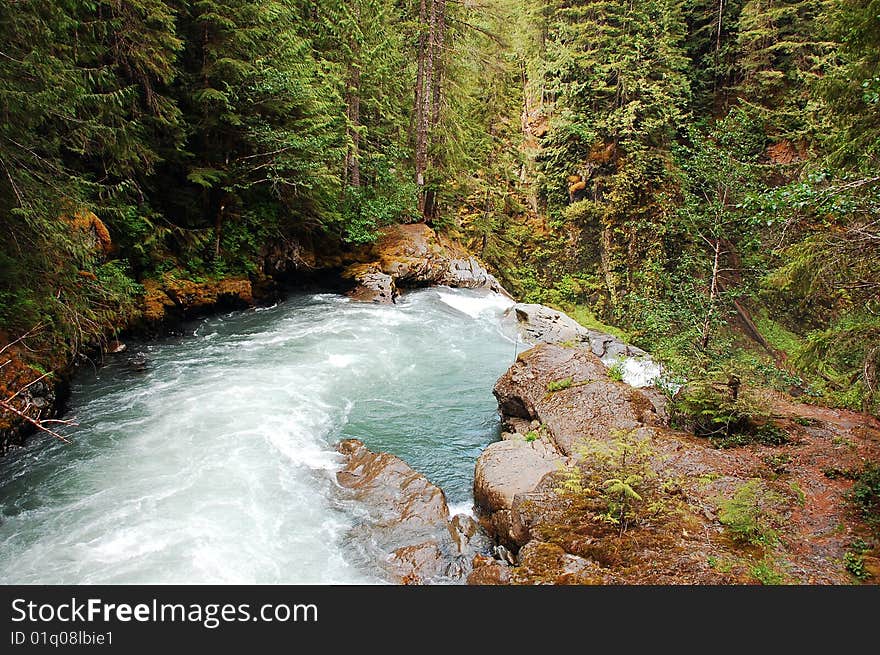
(506, 470)
(372, 284)
(407, 530)
(542, 324)
(551, 399)
(569, 392)
(172, 299)
(413, 255)
(554, 398)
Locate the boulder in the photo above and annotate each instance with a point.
(569, 392)
(542, 324)
(507, 468)
(407, 531)
(546, 563)
(372, 284)
(488, 571)
(413, 255)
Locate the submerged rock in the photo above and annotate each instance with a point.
(407, 530)
(138, 362)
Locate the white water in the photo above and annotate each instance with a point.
(216, 464)
(637, 372)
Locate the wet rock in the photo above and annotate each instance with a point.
(417, 563)
(407, 530)
(116, 347)
(569, 392)
(507, 468)
(372, 284)
(138, 362)
(414, 255)
(488, 571)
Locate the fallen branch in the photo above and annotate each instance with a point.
(9, 345)
(40, 424)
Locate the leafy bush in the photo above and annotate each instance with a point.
(727, 412)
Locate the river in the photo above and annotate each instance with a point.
(216, 463)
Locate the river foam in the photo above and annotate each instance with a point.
(216, 464)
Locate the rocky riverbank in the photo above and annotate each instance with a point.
(681, 511)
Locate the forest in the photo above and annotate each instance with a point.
(702, 175)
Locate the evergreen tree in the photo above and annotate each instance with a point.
(615, 74)
(261, 126)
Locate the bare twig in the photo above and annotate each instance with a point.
(37, 327)
(40, 424)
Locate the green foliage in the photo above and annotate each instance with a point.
(854, 563)
(865, 494)
(559, 385)
(388, 199)
(720, 407)
(751, 514)
(620, 473)
(615, 372)
(766, 572)
(778, 463)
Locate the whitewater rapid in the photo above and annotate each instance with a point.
(216, 463)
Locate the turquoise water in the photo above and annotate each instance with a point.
(216, 464)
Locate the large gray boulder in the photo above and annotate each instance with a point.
(542, 324)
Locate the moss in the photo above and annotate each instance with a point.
(779, 337)
(583, 315)
(559, 385)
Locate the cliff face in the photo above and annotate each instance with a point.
(590, 486)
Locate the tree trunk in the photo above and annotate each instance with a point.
(421, 127)
(425, 94)
(218, 229)
(353, 112)
(353, 106)
(713, 293)
(440, 37)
